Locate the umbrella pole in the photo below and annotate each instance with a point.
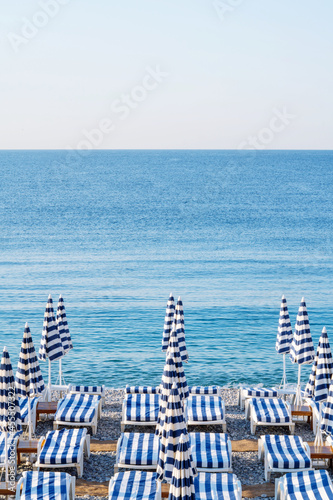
(6, 457)
(29, 418)
(284, 370)
(298, 390)
(49, 384)
(319, 438)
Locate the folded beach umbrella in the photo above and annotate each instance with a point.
(284, 336)
(327, 420)
(179, 326)
(50, 344)
(10, 416)
(29, 380)
(320, 378)
(184, 472)
(301, 349)
(63, 333)
(173, 426)
(169, 314)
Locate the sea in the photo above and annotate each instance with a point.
(116, 231)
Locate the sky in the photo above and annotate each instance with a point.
(166, 74)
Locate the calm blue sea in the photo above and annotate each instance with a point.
(116, 231)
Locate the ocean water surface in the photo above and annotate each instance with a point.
(116, 231)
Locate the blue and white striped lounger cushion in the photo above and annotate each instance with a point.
(142, 389)
(271, 410)
(77, 408)
(212, 389)
(11, 443)
(260, 392)
(45, 486)
(62, 446)
(215, 486)
(210, 450)
(204, 408)
(286, 452)
(133, 485)
(93, 389)
(23, 402)
(142, 407)
(138, 449)
(314, 484)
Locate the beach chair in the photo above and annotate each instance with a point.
(93, 390)
(211, 452)
(23, 402)
(205, 409)
(283, 454)
(220, 486)
(135, 485)
(270, 412)
(63, 448)
(45, 486)
(305, 485)
(140, 409)
(137, 450)
(315, 412)
(210, 389)
(12, 441)
(142, 389)
(245, 393)
(78, 410)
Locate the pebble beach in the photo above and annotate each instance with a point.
(247, 467)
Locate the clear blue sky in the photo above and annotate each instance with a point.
(227, 70)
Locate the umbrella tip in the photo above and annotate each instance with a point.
(283, 297)
(49, 297)
(26, 325)
(60, 296)
(302, 300)
(324, 330)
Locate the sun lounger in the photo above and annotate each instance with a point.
(283, 454)
(205, 410)
(200, 389)
(140, 409)
(315, 412)
(137, 450)
(217, 486)
(63, 448)
(305, 485)
(78, 410)
(12, 440)
(93, 390)
(45, 486)
(245, 393)
(211, 452)
(23, 402)
(135, 485)
(142, 389)
(272, 411)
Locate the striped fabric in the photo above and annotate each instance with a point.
(93, 389)
(77, 408)
(271, 410)
(212, 389)
(210, 450)
(63, 326)
(301, 349)
(136, 448)
(216, 486)
(63, 446)
(133, 485)
(327, 413)
(23, 402)
(285, 333)
(11, 444)
(312, 484)
(45, 486)
(50, 345)
(142, 389)
(169, 314)
(142, 407)
(10, 415)
(179, 327)
(322, 370)
(204, 408)
(172, 427)
(286, 452)
(29, 380)
(183, 473)
(260, 392)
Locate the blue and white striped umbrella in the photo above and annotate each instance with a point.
(327, 417)
(284, 336)
(184, 472)
(169, 314)
(301, 349)
(10, 415)
(173, 426)
(29, 380)
(179, 326)
(63, 333)
(50, 345)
